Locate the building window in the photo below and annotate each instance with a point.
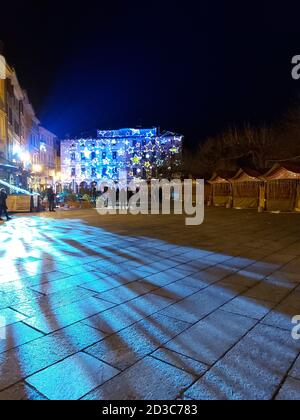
(10, 116)
(73, 172)
(17, 128)
(115, 155)
(73, 156)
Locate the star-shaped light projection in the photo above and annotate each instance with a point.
(136, 132)
(106, 161)
(130, 150)
(136, 160)
(121, 152)
(147, 165)
(174, 150)
(150, 134)
(149, 147)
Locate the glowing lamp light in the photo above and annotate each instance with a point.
(37, 168)
(17, 150)
(25, 158)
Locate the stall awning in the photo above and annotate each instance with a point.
(5, 164)
(247, 175)
(285, 171)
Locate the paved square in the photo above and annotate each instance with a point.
(124, 307)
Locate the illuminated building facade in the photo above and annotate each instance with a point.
(137, 152)
(28, 152)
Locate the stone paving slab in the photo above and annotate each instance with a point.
(122, 316)
(77, 375)
(149, 379)
(271, 290)
(124, 349)
(201, 304)
(252, 308)
(16, 297)
(16, 335)
(18, 364)
(207, 341)
(180, 361)
(295, 372)
(290, 391)
(28, 282)
(20, 392)
(68, 315)
(46, 304)
(9, 316)
(281, 317)
(128, 292)
(252, 370)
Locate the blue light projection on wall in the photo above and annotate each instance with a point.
(136, 152)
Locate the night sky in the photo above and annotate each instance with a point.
(190, 67)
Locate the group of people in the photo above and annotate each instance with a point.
(3, 205)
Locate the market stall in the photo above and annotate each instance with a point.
(246, 187)
(283, 188)
(221, 190)
(19, 203)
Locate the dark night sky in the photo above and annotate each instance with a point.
(187, 66)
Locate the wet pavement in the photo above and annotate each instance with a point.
(143, 307)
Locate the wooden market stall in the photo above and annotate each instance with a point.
(246, 189)
(19, 203)
(283, 188)
(221, 189)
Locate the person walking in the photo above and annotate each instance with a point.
(51, 199)
(3, 205)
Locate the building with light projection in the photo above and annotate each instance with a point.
(138, 153)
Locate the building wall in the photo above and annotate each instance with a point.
(47, 149)
(21, 135)
(137, 152)
(3, 121)
(14, 109)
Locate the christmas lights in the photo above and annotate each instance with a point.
(138, 152)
